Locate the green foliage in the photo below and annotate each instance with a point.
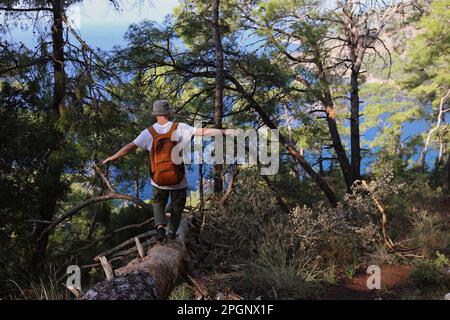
(107, 217)
(387, 110)
(381, 256)
(289, 271)
(24, 140)
(430, 232)
(181, 292)
(293, 254)
(428, 55)
(193, 22)
(432, 275)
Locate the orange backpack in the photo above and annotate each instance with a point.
(162, 169)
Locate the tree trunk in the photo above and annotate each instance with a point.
(136, 184)
(51, 190)
(318, 179)
(152, 277)
(355, 137)
(321, 171)
(218, 103)
(231, 183)
(93, 224)
(59, 74)
(338, 147)
(440, 119)
(201, 186)
(357, 43)
(439, 161)
(446, 184)
(50, 178)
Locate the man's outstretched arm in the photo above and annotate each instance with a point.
(122, 152)
(209, 132)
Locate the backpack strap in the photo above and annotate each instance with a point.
(169, 133)
(172, 129)
(152, 152)
(153, 132)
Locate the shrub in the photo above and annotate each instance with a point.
(431, 274)
(293, 255)
(283, 265)
(382, 256)
(429, 232)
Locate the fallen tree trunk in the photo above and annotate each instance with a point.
(149, 278)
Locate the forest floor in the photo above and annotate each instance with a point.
(394, 285)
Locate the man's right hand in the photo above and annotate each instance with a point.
(109, 159)
(125, 150)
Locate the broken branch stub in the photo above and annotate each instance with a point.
(109, 272)
(139, 247)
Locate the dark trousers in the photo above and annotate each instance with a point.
(176, 207)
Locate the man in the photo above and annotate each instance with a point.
(178, 191)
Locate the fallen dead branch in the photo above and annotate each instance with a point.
(112, 195)
(387, 240)
(200, 286)
(126, 243)
(230, 188)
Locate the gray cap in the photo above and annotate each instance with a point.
(161, 108)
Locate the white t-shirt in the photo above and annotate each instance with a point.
(184, 132)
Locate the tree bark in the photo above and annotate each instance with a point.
(440, 118)
(231, 183)
(383, 221)
(439, 161)
(358, 40)
(136, 183)
(46, 230)
(200, 184)
(150, 278)
(59, 74)
(220, 80)
(355, 137)
(446, 185)
(338, 147)
(50, 180)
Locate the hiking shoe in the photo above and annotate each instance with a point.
(161, 234)
(171, 235)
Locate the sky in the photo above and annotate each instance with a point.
(103, 26)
